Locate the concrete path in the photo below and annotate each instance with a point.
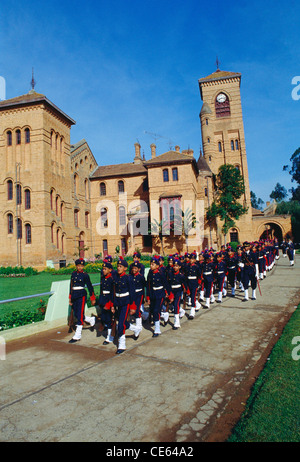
(184, 386)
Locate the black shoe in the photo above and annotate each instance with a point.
(73, 340)
(219, 301)
(175, 328)
(118, 352)
(155, 335)
(245, 300)
(105, 342)
(191, 317)
(134, 337)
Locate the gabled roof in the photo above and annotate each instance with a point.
(118, 170)
(169, 157)
(32, 98)
(78, 147)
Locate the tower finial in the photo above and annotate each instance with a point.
(33, 82)
(218, 64)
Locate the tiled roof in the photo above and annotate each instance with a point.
(169, 157)
(219, 75)
(118, 170)
(31, 98)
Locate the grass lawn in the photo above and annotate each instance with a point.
(272, 412)
(20, 287)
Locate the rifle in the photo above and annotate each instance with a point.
(70, 320)
(113, 324)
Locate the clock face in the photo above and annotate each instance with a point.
(221, 98)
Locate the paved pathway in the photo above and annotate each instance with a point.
(180, 387)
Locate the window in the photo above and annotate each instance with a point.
(237, 145)
(122, 216)
(121, 188)
(10, 224)
(19, 194)
(102, 189)
(75, 184)
(175, 174)
(27, 199)
(234, 235)
(76, 217)
(63, 243)
(57, 238)
(232, 145)
(104, 246)
(166, 175)
(9, 138)
(51, 199)
(28, 233)
(104, 220)
(86, 217)
(18, 136)
(10, 190)
(19, 228)
(52, 233)
(220, 146)
(27, 135)
(56, 205)
(62, 212)
(206, 121)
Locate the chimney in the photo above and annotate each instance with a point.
(177, 148)
(188, 152)
(153, 150)
(137, 158)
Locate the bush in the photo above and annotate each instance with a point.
(21, 318)
(17, 271)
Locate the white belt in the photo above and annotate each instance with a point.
(207, 273)
(192, 277)
(106, 291)
(176, 287)
(219, 272)
(122, 295)
(138, 290)
(231, 267)
(260, 257)
(78, 288)
(158, 288)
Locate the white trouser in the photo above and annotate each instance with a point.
(121, 344)
(109, 337)
(176, 323)
(77, 335)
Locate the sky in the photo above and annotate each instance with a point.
(127, 71)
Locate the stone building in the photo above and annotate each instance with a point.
(57, 202)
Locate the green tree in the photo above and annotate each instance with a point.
(256, 202)
(279, 193)
(294, 171)
(229, 187)
(291, 208)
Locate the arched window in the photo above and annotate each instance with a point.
(56, 205)
(10, 224)
(237, 145)
(102, 189)
(104, 220)
(86, 216)
(220, 146)
(62, 211)
(57, 238)
(166, 175)
(175, 173)
(76, 217)
(122, 216)
(9, 138)
(28, 233)
(27, 199)
(86, 189)
(19, 228)
(51, 199)
(104, 247)
(121, 188)
(75, 183)
(63, 243)
(222, 105)
(232, 145)
(27, 135)
(18, 136)
(19, 194)
(10, 190)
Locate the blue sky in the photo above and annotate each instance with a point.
(120, 68)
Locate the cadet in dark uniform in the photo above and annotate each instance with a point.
(249, 260)
(208, 278)
(139, 284)
(220, 273)
(231, 270)
(193, 276)
(136, 258)
(78, 297)
(290, 252)
(177, 287)
(106, 299)
(157, 288)
(124, 301)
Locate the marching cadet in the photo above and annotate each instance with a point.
(261, 260)
(157, 288)
(276, 248)
(290, 252)
(193, 276)
(220, 274)
(109, 259)
(208, 278)
(106, 299)
(124, 302)
(231, 270)
(284, 247)
(249, 260)
(139, 284)
(240, 269)
(178, 285)
(137, 258)
(78, 297)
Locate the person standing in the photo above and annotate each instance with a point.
(290, 252)
(193, 276)
(139, 284)
(250, 262)
(157, 288)
(177, 287)
(78, 297)
(106, 298)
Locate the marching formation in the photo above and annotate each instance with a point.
(185, 282)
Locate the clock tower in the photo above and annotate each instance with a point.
(223, 137)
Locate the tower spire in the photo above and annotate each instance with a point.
(218, 63)
(32, 82)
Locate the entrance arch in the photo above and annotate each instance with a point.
(271, 231)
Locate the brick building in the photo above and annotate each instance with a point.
(56, 202)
